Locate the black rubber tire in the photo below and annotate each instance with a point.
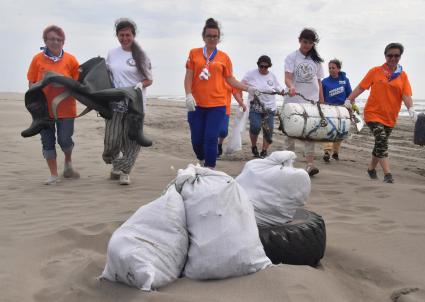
(301, 241)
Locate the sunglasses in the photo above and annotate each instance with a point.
(263, 66)
(393, 56)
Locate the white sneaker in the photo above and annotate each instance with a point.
(52, 180)
(124, 179)
(115, 174)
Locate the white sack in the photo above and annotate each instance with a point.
(224, 240)
(234, 141)
(275, 187)
(149, 250)
(302, 120)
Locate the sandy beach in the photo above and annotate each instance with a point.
(54, 238)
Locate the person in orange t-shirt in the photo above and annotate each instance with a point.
(389, 87)
(61, 106)
(207, 72)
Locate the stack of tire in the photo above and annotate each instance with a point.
(301, 241)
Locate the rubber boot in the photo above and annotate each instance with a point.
(40, 115)
(135, 130)
(136, 118)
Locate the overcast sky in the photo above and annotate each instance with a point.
(354, 31)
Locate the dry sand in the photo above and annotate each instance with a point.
(54, 238)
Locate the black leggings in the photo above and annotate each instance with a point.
(381, 134)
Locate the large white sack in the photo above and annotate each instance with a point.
(223, 234)
(275, 187)
(149, 250)
(234, 141)
(302, 120)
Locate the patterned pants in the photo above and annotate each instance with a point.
(381, 134)
(119, 150)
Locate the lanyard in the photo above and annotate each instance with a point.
(211, 57)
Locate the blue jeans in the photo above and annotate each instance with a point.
(204, 128)
(65, 130)
(255, 123)
(224, 129)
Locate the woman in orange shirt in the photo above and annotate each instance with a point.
(389, 87)
(207, 72)
(61, 106)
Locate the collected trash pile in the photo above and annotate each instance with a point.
(204, 226)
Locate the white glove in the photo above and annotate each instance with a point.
(253, 91)
(190, 102)
(413, 114)
(139, 86)
(347, 104)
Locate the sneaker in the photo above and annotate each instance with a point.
(263, 154)
(255, 152)
(115, 174)
(335, 156)
(388, 178)
(326, 157)
(372, 174)
(124, 179)
(312, 170)
(71, 173)
(52, 180)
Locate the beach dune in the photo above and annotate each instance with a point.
(54, 238)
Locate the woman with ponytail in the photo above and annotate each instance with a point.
(207, 72)
(129, 66)
(303, 74)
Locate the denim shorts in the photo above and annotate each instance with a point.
(255, 119)
(64, 128)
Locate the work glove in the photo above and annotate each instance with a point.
(190, 102)
(139, 86)
(355, 108)
(413, 114)
(252, 90)
(347, 104)
(242, 108)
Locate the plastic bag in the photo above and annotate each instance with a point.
(224, 240)
(149, 250)
(234, 142)
(275, 187)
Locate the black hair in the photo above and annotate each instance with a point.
(264, 59)
(137, 52)
(398, 46)
(311, 35)
(211, 23)
(337, 62)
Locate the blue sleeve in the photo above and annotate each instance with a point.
(347, 87)
(325, 91)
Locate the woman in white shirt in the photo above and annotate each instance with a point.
(129, 66)
(303, 74)
(263, 80)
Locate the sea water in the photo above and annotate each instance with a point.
(419, 104)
